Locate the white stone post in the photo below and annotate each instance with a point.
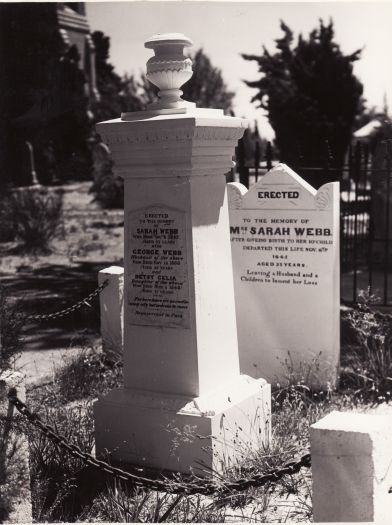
(351, 468)
(185, 403)
(111, 300)
(15, 494)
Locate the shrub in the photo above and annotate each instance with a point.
(11, 323)
(7, 230)
(35, 215)
(108, 189)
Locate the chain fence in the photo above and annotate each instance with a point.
(70, 309)
(195, 485)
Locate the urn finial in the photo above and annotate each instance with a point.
(169, 69)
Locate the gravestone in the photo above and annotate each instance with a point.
(184, 405)
(101, 161)
(285, 248)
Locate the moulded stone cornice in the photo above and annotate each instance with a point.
(179, 170)
(138, 136)
(192, 154)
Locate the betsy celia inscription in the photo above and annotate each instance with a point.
(159, 288)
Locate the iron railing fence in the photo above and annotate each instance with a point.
(365, 212)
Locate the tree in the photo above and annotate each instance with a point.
(43, 98)
(117, 94)
(206, 87)
(311, 95)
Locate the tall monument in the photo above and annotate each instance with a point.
(184, 405)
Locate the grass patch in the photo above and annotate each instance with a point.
(82, 377)
(59, 482)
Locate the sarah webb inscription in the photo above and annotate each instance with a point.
(285, 248)
(159, 289)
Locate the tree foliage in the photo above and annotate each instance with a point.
(311, 96)
(206, 88)
(43, 98)
(117, 94)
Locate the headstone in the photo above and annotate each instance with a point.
(184, 404)
(285, 248)
(351, 468)
(101, 161)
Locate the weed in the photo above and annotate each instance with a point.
(85, 375)
(13, 483)
(119, 504)
(367, 359)
(54, 473)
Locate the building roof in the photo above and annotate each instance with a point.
(69, 19)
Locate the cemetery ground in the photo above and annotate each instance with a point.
(66, 370)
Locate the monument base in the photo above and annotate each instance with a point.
(189, 435)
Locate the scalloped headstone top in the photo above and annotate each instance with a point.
(280, 188)
(169, 69)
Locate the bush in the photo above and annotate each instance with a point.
(108, 190)
(7, 231)
(11, 324)
(35, 216)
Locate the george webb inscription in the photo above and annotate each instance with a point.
(159, 290)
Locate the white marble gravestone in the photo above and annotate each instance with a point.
(285, 248)
(184, 404)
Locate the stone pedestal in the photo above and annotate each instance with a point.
(111, 301)
(351, 468)
(183, 398)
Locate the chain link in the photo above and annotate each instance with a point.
(70, 309)
(194, 486)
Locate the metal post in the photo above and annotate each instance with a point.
(388, 196)
(268, 156)
(357, 168)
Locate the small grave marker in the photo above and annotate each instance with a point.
(285, 249)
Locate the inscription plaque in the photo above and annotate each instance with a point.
(158, 291)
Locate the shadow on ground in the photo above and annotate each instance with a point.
(52, 288)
